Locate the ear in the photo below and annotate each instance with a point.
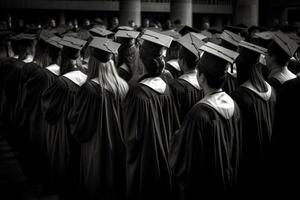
(201, 78)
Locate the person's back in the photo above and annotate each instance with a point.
(206, 151)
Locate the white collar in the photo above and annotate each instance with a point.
(174, 63)
(77, 77)
(283, 75)
(191, 78)
(221, 102)
(233, 72)
(125, 67)
(264, 95)
(156, 83)
(28, 59)
(16, 56)
(54, 68)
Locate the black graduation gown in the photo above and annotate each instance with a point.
(37, 125)
(150, 120)
(63, 150)
(96, 124)
(285, 141)
(275, 84)
(258, 120)
(205, 154)
(185, 96)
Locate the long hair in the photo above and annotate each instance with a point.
(108, 77)
(46, 55)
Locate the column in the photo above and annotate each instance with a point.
(247, 12)
(62, 18)
(182, 10)
(130, 10)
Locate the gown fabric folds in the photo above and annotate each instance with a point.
(150, 119)
(95, 122)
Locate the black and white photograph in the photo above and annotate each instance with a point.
(149, 99)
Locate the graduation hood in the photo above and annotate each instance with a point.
(76, 77)
(284, 75)
(264, 95)
(191, 78)
(54, 68)
(156, 83)
(221, 102)
(174, 63)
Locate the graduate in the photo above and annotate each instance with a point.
(127, 54)
(256, 99)
(31, 105)
(206, 151)
(150, 119)
(279, 52)
(186, 89)
(57, 102)
(96, 123)
(230, 41)
(285, 141)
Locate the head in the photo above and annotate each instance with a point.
(152, 56)
(168, 24)
(211, 71)
(177, 22)
(249, 69)
(205, 26)
(187, 60)
(108, 77)
(114, 22)
(146, 23)
(52, 23)
(68, 59)
(131, 23)
(276, 56)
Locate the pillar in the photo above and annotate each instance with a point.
(182, 10)
(130, 10)
(247, 12)
(62, 18)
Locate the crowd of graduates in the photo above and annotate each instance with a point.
(147, 113)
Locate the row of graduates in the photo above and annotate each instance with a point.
(155, 136)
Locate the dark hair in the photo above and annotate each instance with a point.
(190, 58)
(248, 68)
(281, 58)
(215, 81)
(68, 55)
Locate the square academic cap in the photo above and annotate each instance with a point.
(55, 41)
(24, 36)
(157, 38)
(294, 37)
(72, 42)
(285, 43)
(235, 29)
(105, 44)
(221, 52)
(127, 34)
(125, 28)
(186, 29)
(192, 42)
(267, 35)
(253, 47)
(45, 35)
(231, 37)
(100, 31)
(172, 33)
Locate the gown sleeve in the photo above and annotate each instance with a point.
(83, 114)
(53, 101)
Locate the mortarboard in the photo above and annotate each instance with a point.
(127, 34)
(235, 29)
(267, 35)
(125, 28)
(103, 48)
(101, 32)
(253, 47)
(231, 37)
(157, 38)
(24, 36)
(192, 42)
(172, 33)
(285, 43)
(72, 42)
(45, 35)
(294, 37)
(55, 41)
(186, 29)
(218, 51)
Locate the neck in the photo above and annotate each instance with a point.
(189, 71)
(276, 68)
(208, 90)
